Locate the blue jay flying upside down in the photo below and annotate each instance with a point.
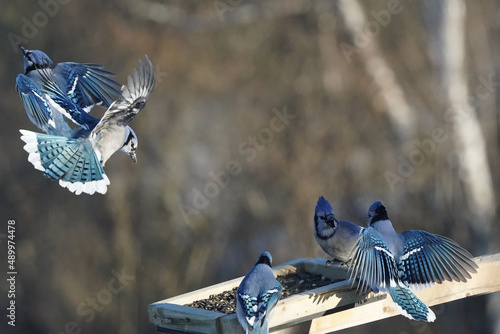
(399, 263)
(257, 295)
(83, 84)
(76, 157)
(53, 93)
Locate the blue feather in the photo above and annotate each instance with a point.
(409, 304)
(37, 108)
(257, 295)
(428, 258)
(87, 84)
(65, 106)
(71, 161)
(373, 263)
(323, 205)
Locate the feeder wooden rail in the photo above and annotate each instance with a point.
(322, 310)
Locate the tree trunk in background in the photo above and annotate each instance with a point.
(447, 50)
(364, 35)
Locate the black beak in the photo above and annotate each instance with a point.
(133, 156)
(23, 49)
(330, 220)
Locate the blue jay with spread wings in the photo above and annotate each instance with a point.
(257, 295)
(84, 84)
(384, 260)
(76, 157)
(53, 93)
(401, 262)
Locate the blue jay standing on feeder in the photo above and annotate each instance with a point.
(395, 262)
(52, 92)
(256, 296)
(336, 237)
(77, 159)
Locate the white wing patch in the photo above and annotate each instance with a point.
(50, 120)
(61, 110)
(385, 251)
(72, 90)
(408, 254)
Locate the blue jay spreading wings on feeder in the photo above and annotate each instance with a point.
(76, 158)
(397, 263)
(256, 296)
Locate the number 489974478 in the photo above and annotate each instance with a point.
(11, 244)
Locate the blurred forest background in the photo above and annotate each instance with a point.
(259, 108)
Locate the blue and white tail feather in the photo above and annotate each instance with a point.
(408, 303)
(71, 161)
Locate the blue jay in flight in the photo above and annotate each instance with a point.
(398, 262)
(83, 84)
(336, 237)
(76, 158)
(69, 89)
(257, 294)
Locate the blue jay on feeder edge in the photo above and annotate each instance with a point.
(257, 294)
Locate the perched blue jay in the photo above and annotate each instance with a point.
(387, 261)
(336, 237)
(257, 294)
(69, 89)
(77, 160)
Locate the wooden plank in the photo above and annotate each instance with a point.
(170, 314)
(182, 319)
(308, 304)
(320, 307)
(301, 307)
(381, 306)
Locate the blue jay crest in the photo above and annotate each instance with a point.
(323, 205)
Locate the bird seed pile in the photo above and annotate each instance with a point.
(293, 283)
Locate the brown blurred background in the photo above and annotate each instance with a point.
(380, 100)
